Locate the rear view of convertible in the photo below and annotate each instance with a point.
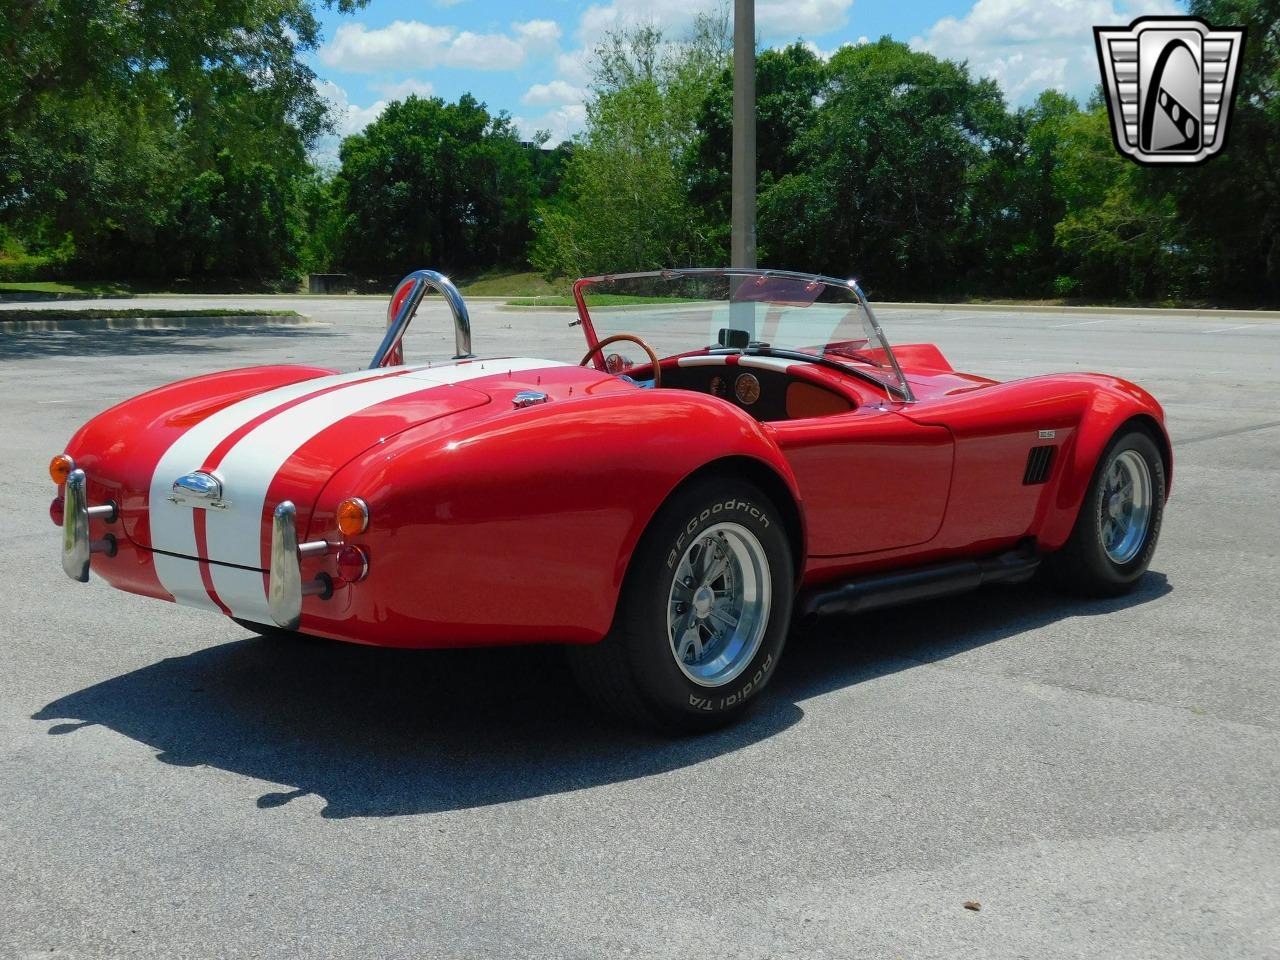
(738, 450)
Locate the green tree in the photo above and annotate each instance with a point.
(433, 183)
(883, 187)
(625, 201)
(239, 220)
(109, 112)
(788, 83)
(1232, 203)
(1015, 203)
(1120, 238)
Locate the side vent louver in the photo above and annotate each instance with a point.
(1039, 460)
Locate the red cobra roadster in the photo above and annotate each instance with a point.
(764, 456)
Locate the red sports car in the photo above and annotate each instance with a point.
(738, 449)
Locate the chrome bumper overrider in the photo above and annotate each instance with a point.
(76, 512)
(285, 588)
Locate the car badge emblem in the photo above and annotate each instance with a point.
(1170, 84)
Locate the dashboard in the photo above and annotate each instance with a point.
(765, 394)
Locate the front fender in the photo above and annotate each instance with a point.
(1112, 404)
(519, 527)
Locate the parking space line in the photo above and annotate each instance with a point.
(1083, 323)
(1243, 326)
(1218, 435)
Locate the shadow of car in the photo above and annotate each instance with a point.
(384, 732)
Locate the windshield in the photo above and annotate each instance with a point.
(765, 312)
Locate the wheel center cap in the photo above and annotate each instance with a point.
(702, 601)
(1115, 506)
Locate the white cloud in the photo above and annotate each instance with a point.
(1032, 45)
(806, 17)
(775, 19)
(575, 67)
(348, 118)
(410, 44)
(563, 122)
(828, 54)
(484, 51)
(405, 88)
(552, 94)
(538, 36)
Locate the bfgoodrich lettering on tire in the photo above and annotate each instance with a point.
(703, 615)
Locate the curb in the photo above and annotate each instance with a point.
(123, 324)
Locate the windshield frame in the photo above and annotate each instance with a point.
(850, 285)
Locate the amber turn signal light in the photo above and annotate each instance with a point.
(353, 516)
(60, 468)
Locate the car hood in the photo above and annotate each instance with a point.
(271, 434)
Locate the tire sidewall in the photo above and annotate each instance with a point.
(1090, 520)
(643, 613)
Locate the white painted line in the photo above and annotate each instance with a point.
(1082, 323)
(1243, 326)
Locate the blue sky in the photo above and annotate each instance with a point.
(532, 59)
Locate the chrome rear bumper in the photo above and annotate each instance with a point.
(76, 513)
(285, 588)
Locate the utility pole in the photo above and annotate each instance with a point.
(743, 203)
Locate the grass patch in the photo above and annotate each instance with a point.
(133, 314)
(599, 300)
(553, 301)
(91, 288)
(513, 285)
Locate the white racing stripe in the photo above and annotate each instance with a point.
(234, 535)
(173, 526)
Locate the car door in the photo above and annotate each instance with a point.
(870, 479)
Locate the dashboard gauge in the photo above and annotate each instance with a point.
(717, 388)
(747, 389)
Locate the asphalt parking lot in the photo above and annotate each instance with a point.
(1100, 776)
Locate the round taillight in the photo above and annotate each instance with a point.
(353, 564)
(56, 511)
(352, 516)
(60, 468)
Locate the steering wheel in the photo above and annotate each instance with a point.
(631, 338)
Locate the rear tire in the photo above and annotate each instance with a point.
(703, 614)
(1115, 534)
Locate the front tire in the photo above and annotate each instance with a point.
(1115, 534)
(703, 614)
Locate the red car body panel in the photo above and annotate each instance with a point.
(491, 523)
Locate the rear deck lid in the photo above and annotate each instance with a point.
(261, 453)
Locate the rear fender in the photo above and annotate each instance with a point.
(520, 528)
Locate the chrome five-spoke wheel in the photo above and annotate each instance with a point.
(1125, 506)
(719, 602)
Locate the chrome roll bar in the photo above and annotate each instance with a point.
(388, 350)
